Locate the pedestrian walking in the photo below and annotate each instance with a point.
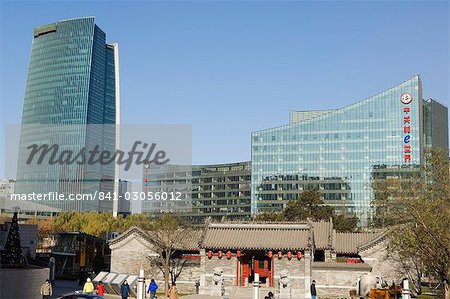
(313, 290)
(173, 292)
(46, 289)
(100, 289)
(125, 290)
(88, 287)
(152, 289)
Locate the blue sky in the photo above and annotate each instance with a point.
(233, 67)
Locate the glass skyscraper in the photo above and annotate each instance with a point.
(338, 151)
(72, 100)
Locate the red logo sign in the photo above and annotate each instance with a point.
(406, 98)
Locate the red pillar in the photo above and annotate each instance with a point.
(237, 271)
(271, 272)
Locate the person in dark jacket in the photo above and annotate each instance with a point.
(152, 289)
(125, 290)
(313, 290)
(82, 276)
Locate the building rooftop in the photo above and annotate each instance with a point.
(284, 236)
(7, 205)
(256, 236)
(341, 266)
(188, 242)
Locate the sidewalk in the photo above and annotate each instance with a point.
(61, 287)
(194, 296)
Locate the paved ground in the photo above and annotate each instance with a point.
(195, 296)
(211, 297)
(61, 287)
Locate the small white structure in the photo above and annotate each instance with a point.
(285, 284)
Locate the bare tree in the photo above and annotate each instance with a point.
(168, 236)
(417, 209)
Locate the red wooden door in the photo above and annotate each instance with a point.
(263, 266)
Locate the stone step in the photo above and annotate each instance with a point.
(249, 291)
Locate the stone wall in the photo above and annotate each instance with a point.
(334, 282)
(132, 254)
(129, 256)
(185, 282)
(228, 267)
(22, 283)
(377, 257)
(296, 270)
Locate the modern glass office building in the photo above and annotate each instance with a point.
(72, 100)
(338, 151)
(214, 192)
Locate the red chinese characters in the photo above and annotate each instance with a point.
(406, 98)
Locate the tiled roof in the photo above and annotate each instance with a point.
(322, 231)
(192, 240)
(381, 236)
(132, 230)
(274, 236)
(189, 242)
(350, 242)
(342, 266)
(267, 236)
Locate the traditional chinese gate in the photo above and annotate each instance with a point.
(261, 264)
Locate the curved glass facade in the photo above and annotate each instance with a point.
(337, 151)
(71, 84)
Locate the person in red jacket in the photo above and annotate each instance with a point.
(100, 289)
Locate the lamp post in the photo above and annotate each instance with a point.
(405, 289)
(256, 286)
(141, 285)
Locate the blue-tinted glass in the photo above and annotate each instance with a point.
(337, 151)
(71, 83)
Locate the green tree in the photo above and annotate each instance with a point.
(45, 227)
(417, 208)
(345, 223)
(310, 205)
(98, 224)
(269, 217)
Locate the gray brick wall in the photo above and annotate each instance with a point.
(335, 283)
(228, 266)
(382, 265)
(129, 255)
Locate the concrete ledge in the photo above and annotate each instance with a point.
(22, 283)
